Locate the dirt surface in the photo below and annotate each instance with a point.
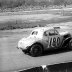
(12, 59)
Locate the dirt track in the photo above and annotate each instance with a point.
(12, 59)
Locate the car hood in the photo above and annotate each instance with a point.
(28, 41)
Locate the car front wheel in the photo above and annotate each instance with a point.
(36, 50)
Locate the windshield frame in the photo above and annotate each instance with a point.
(34, 33)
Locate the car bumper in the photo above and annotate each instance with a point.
(25, 50)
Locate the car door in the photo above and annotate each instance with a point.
(54, 39)
(45, 38)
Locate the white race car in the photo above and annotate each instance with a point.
(44, 38)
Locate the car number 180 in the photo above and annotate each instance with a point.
(54, 42)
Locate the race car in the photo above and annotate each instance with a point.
(45, 38)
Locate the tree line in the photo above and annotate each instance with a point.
(26, 3)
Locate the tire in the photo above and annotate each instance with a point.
(70, 44)
(36, 50)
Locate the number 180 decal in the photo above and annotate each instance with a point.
(54, 42)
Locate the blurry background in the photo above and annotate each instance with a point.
(20, 5)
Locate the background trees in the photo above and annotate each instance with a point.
(16, 3)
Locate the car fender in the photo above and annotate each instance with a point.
(65, 41)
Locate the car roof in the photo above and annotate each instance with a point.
(42, 28)
(50, 27)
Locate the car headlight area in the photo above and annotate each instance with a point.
(23, 45)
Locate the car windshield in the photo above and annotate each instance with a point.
(34, 32)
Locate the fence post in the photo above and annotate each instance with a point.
(44, 67)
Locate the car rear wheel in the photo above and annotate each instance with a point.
(36, 50)
(70, 44)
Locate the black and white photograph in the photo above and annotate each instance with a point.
(35, 35)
